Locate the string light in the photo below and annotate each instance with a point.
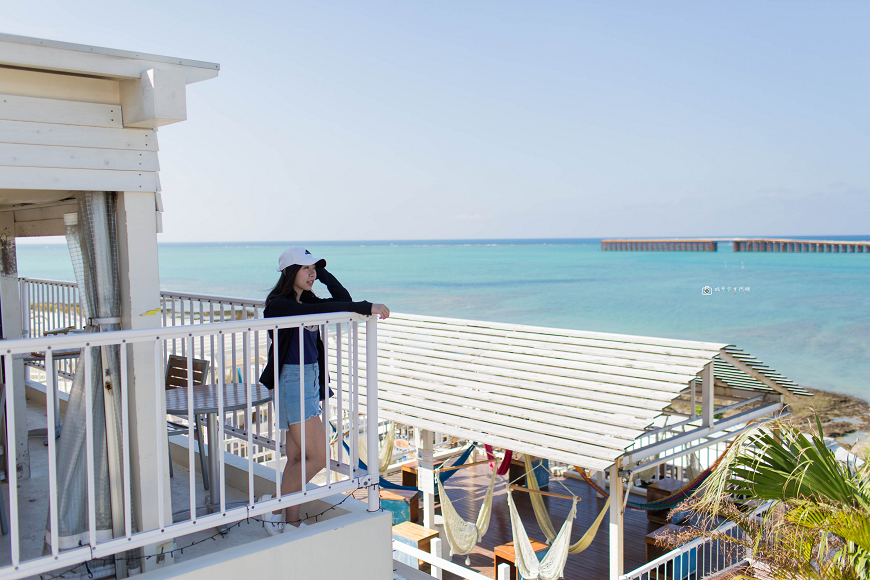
(222, 532)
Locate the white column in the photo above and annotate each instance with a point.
(140, 306)
(10, 310)
(707, 395)
(616, 523)
(372, 413)
(426, 476)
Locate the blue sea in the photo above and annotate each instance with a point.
(805, 315)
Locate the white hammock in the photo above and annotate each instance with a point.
(527, 562)
(385, 451)
(543, 518)
(463, 535)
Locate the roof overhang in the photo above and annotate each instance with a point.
(95, 61)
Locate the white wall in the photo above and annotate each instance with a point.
(355, 546)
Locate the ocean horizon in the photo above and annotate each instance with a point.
(805, 315)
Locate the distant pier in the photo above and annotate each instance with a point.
(659, 246)
(740, 245)
(801, 246)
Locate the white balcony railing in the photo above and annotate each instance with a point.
(700, 558)
(230, 344)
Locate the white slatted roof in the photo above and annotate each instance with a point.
(572, 396)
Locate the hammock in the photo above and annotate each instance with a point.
(527, 563)
(463, 535)
(544, 518)
(386, 484)
(505, 462)
(673, 500)
(385, 451)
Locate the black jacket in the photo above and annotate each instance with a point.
(310, 304)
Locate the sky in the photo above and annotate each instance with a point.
(481, 119)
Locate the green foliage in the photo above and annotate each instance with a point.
(820, 525)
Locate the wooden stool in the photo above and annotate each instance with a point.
(416, 536)
(681, 567)
(404, 504)
(506, 554)
(409, 474)
(657, 490)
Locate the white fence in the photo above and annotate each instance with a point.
(700, 558)
(226, 339)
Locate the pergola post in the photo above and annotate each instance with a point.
(10, 310)
(139, 281)
(707, 393)
(426, 476)
(616, 522)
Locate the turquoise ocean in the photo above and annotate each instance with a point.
(805, 315)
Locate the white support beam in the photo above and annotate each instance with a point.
(426, 476)
(616, 523)
(707, 395)
(741, 366)
(156, 98)
(637, 455)
(10, 314)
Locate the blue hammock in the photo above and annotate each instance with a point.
(390, 485)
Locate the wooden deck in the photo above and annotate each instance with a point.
(468, 487)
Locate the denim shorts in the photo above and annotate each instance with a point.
(288, 408)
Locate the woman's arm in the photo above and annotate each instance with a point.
(338, 292)
(285, 307)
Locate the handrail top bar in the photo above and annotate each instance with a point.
(27, 345)
(211, 298)
(44, 281)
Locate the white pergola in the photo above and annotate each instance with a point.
(582, 398)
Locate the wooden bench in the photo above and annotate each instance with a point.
(416, 536)
(505, 554)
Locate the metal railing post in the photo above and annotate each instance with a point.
(372, 412)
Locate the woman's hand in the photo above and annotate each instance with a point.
(381, 310)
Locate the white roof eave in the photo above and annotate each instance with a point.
(67, 57)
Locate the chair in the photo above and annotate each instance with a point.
(176, 378)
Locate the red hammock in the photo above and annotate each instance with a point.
(505, 463)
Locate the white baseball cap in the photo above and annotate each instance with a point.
(298, 255)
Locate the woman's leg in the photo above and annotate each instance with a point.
(315, 460)
(293, 458)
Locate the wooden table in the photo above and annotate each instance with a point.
(506, 554)
(661, 489)
(205, 402)
(416, 536)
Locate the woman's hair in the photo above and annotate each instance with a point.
(284, 288)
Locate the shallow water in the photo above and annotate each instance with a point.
(805, 315)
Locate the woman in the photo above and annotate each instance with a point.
(292, 296)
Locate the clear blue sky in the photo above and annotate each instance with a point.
(413, 120)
